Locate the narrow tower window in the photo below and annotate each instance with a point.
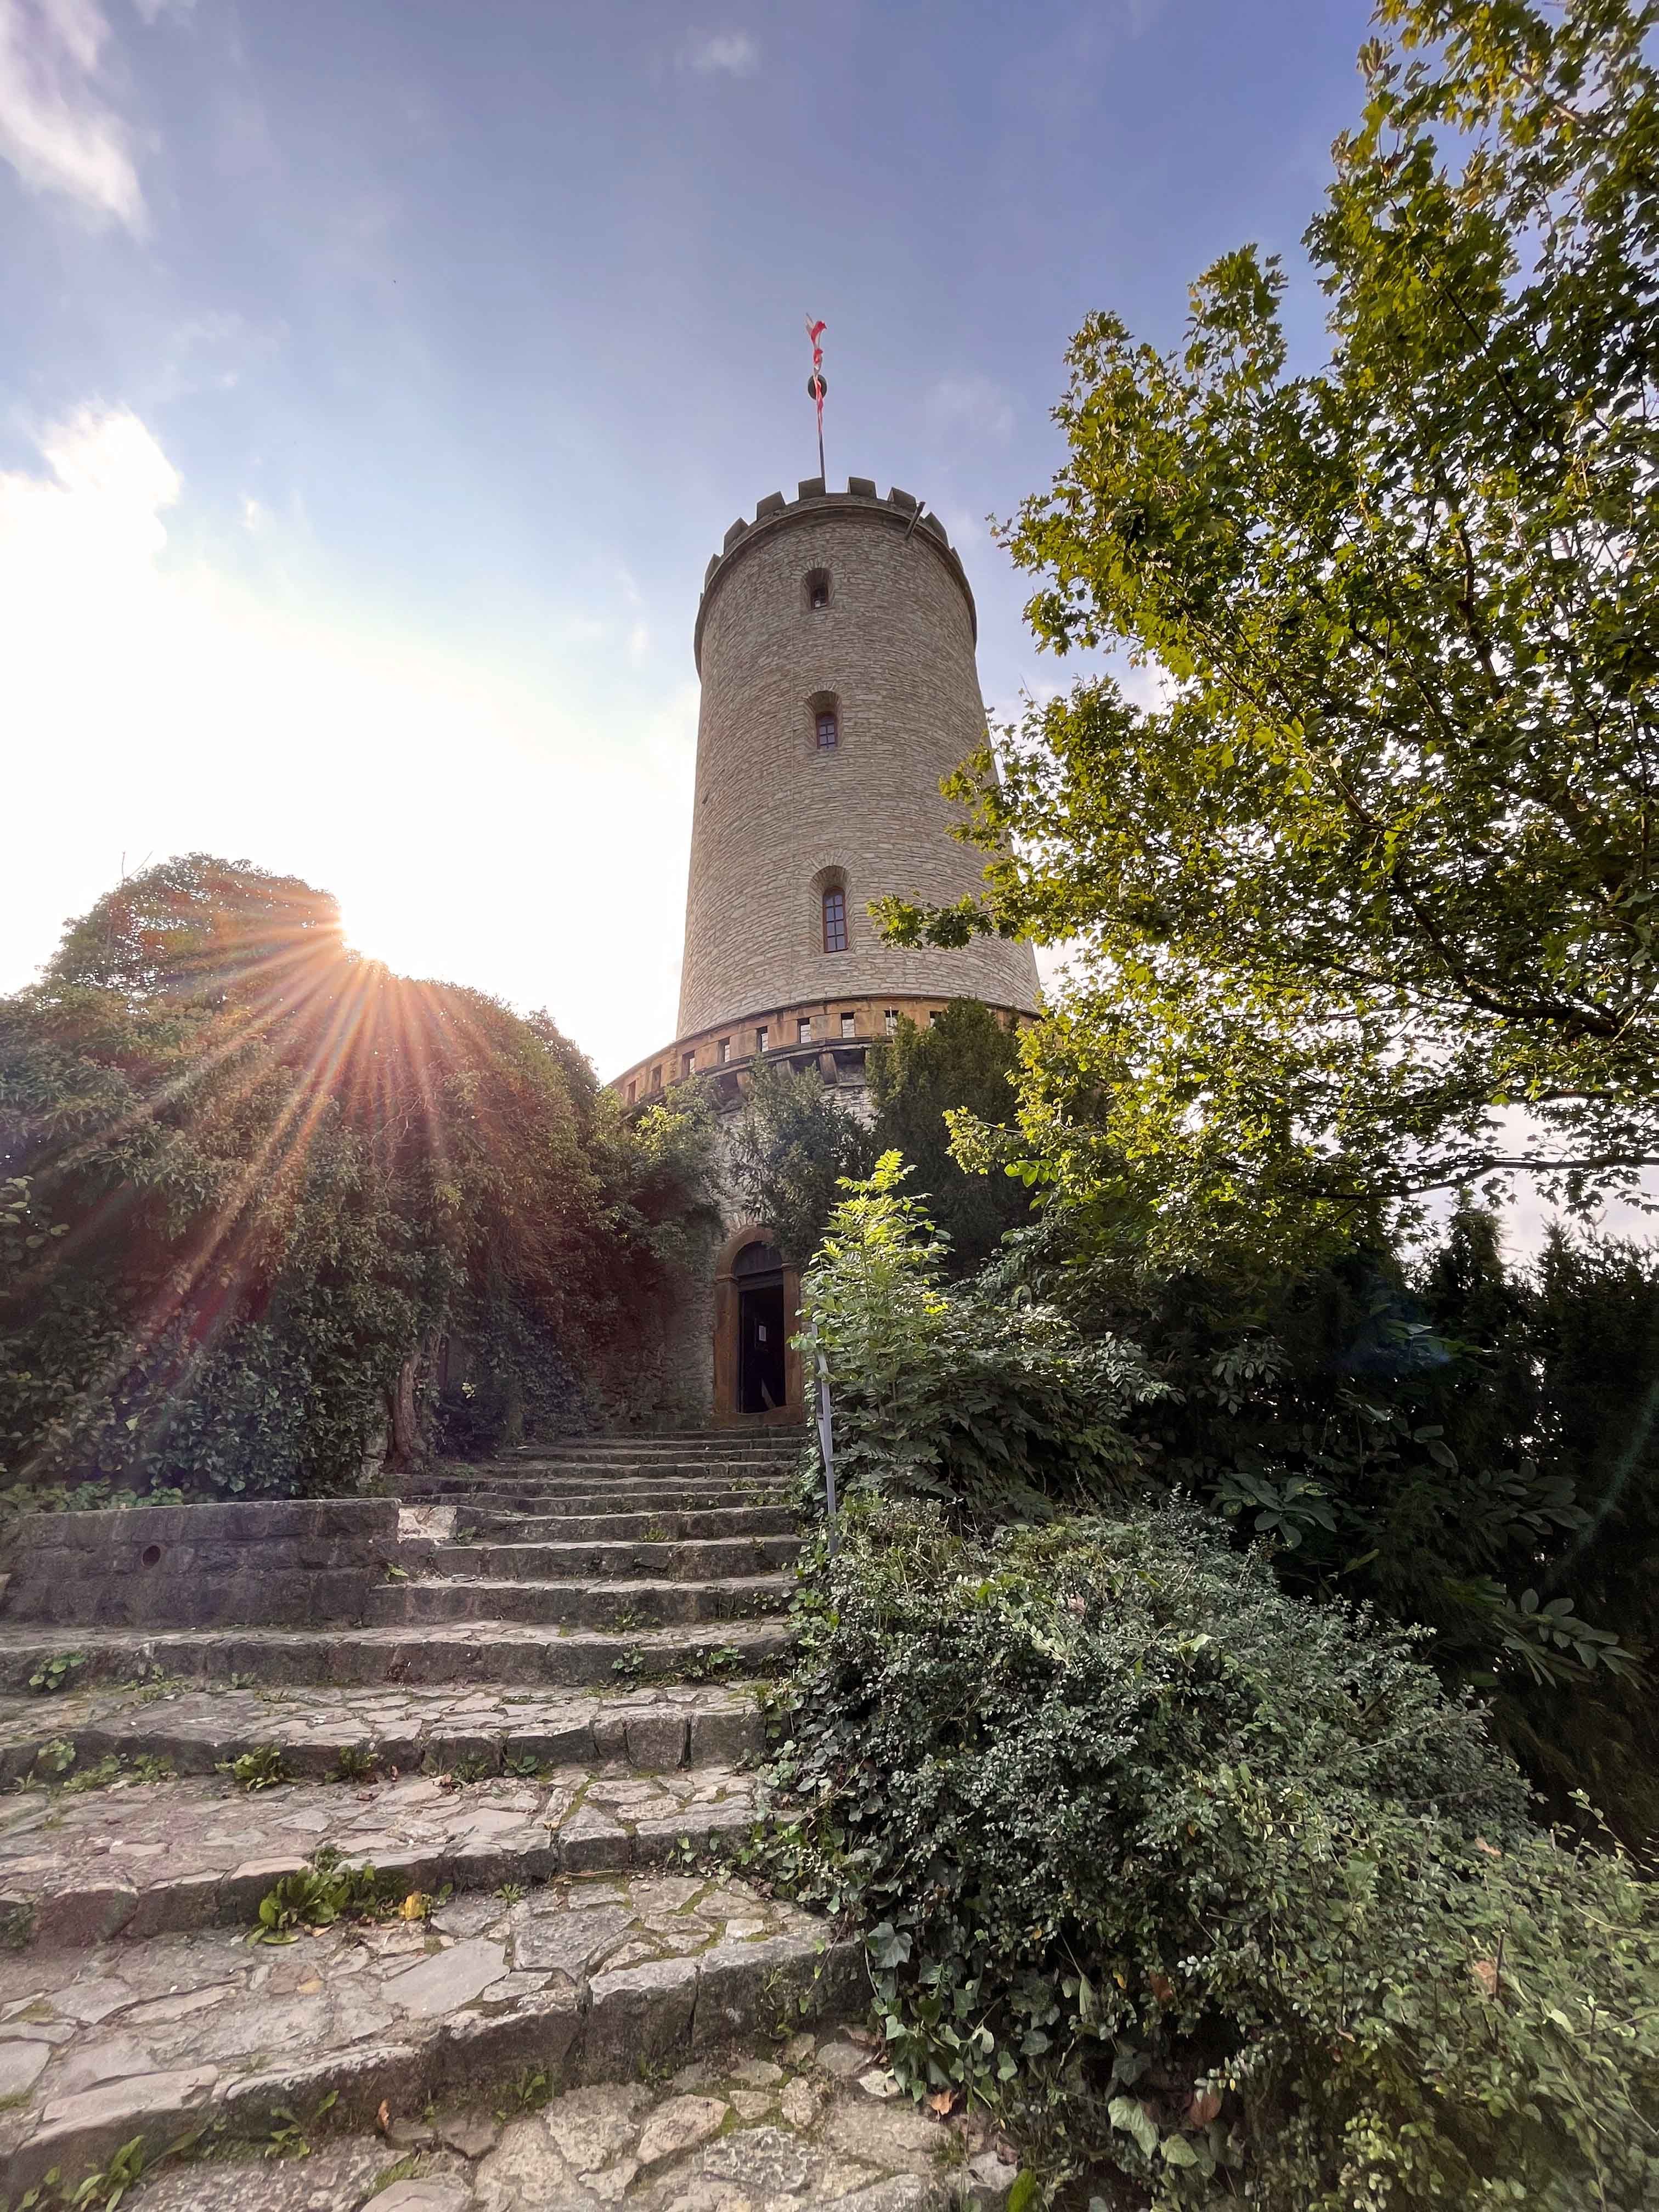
(804, 1029)
(890, 1021)
(817, 589)
(849, 1025)
(760, 1040)
(823, 719)
(834, 921)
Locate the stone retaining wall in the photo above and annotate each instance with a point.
(288, 1562)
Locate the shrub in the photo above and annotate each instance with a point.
(1185, 1873)
(1000, 1406)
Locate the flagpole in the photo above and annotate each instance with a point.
(817, 386)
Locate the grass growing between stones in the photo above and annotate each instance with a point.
(327, 1890)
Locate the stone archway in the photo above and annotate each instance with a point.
(752, 1294)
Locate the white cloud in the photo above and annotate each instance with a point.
(153, 10)
(56, 129)
(971, 407)
(724, 53)
(456, 804)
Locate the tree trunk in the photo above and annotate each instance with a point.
(404, 1450)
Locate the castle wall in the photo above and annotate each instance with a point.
(776, 817)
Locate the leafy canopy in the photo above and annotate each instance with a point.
(252, 1174)
(1381, 865)
(1169, 1868)
(962, 1062)
(998, 1405)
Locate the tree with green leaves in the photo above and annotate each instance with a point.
(251, 1176)
(1364, 902)
(788, 1149)
(962, 1062)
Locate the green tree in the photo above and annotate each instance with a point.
(789, 1148)
(1381, 865)
(257, 1174)
(1463, 1443)
(998, 1405)
(963, 1061)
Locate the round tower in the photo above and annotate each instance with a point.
(835, 639)
(836, 644)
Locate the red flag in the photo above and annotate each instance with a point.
(816, 385)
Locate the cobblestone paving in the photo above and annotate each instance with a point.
(727, 2133)
(488, 1723)
(593, 1979)
(163, 1857)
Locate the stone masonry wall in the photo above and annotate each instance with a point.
(775, 815)
(261, 1564)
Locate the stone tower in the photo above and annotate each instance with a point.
(835, 639)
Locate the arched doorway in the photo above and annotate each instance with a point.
(757, 1276)
(757, 1373)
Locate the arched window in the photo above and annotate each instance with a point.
(828, 728)
(817, 589)
(823, 721)
(835, 919)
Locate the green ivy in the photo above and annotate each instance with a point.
(1174, 1870)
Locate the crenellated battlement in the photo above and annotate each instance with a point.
(902, 509)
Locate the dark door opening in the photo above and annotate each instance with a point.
(760, 1347)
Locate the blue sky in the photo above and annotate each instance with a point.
(376, 378)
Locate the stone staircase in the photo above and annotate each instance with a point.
(540, 1718)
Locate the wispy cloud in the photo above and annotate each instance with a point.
(723, 54)
(153, 10)
(57, 129)
(973, 407)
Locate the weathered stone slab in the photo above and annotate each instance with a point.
(153, 2040)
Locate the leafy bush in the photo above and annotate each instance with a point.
(1001, 1406)
(248, 1179)
(1469, 1444)
(1184, 1873)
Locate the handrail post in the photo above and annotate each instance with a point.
(826, 1446)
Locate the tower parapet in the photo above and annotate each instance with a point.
(834, 639)
(907, 511)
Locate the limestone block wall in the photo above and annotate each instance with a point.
(254, 1562)
(778, 818)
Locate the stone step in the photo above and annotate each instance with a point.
(604, 1977)
(658, 1559)
(705, 1443)
(634, 1497)
(568, 1481)
(680, 1463)
(618, 1607)
(489, 1728)
(793, 2128)
(687, 1527)
(135, 1859)
(502, 1651)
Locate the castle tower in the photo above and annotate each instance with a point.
(835, 639)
